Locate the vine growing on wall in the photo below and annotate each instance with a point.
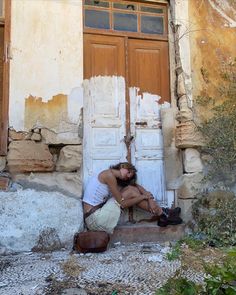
(219, 130)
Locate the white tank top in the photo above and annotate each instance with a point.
(95, 192)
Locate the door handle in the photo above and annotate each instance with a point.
(141, 123)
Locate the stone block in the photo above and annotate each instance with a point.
(186, 209)
(181, 85)
(2, 163)
(36, 137)
(27, 156)
(67, 183)
(26, 214)
(70, 158)
(190, 183)
(187, 136)
(184, 115)
(60, 137)
(183, 102)
(20, 135)
(192, 161)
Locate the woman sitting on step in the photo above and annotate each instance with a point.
(110, 191)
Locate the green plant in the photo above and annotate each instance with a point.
(219, 130)
(216, 218)
(179, 286)
(191, 241)
(221, 279)
(175, 252)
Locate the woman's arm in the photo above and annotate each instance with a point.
(151, 202)
(144, 192)
(111, 181)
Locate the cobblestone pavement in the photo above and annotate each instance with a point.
(137, 269)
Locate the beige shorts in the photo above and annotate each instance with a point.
(104, 218)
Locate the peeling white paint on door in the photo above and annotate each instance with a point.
(104, 131)
(147, 146)
(104, 123)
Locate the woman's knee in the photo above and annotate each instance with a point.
(130, 192)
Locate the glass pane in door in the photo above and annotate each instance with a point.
(125, 22)
(96, 3)
(152, 25)
(97, 19)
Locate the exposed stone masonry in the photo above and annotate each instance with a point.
(187, 137)
(28, 153)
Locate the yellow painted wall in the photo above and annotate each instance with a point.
(212, 26)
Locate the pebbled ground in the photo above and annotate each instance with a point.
(137, 269)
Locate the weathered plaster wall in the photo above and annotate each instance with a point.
(47, 61)
(212, 27)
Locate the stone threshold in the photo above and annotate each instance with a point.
(147, 232)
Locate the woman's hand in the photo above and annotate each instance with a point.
(149, 195)
(154, 208)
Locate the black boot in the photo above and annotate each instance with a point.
(170, 217)
(162, 221)
(168, 211)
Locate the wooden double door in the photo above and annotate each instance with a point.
(129, 80)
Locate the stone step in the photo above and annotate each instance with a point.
(148, 232)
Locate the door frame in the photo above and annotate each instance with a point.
(6, 71)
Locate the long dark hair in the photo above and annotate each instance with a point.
(131, 168)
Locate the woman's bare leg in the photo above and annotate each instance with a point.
(132, 196)
(150, 206)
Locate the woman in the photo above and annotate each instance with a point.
(109, 191)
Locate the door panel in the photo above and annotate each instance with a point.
(149, 87)
(147, 148)
(149, 67)
(104, 128)
(103, 56)
(104, 103)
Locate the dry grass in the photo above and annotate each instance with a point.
(197, 259)
(71, 267)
